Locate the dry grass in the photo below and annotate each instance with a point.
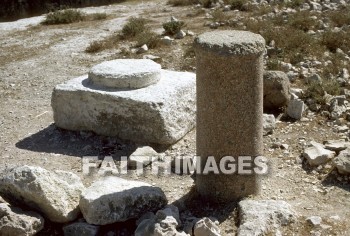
(133, 27)
(64, 17)
(172, 27)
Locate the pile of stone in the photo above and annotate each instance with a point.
(132, 99)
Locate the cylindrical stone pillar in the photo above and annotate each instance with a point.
(229, 109)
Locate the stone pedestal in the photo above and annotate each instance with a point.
(229, 108)
(130, 99)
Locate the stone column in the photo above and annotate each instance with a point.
(229, 109)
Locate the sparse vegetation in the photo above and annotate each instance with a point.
(333, 40)
(172, 27)
(133, 27)
(64, 17)
(317, 90)
(95, 46)
(219, 16)
(207, 3)
(98, 16)
(239, 5)
(149, 38)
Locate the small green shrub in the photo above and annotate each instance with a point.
(302, 21)
(149, 38)
(172, 27)
(340, 17)
(133, 27)
(317, 90)
(334, 40)
(63, 17)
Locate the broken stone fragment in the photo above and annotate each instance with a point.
(114, 199)
(55, 194)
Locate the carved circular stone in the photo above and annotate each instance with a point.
(125, 73)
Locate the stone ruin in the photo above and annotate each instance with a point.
(132, 99)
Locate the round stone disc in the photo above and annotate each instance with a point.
(125, 73)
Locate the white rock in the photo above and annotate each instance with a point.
(317, 154)
(180, 35)
(295, 109)
(114, 199)
(167, 40)
(314, 221)
(160, 113)
(263, 217)
(125, 73)
(342, 162)
(153, 58)
(55, 194)
(269, 123)
(81, 229)
(297, 91)
(165, 222)
(142, 49)
(143, 156)
(336, 145)
(206, 227)
(14, 221)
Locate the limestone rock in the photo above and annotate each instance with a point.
(317, 155)
(14, 221)
(165, 222)
(295, 109)
(125, 73)
(336, 145)
(114, 199)
(269, 123)
(264, 216)
(161, 113)
(180, 35)
(206, 227)
(142, 156)
(342, 162)
(276, 90)
(314, 221)
(81, 229)
(55, 194)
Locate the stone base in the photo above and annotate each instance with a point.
(161, 113)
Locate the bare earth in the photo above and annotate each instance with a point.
(34, 59)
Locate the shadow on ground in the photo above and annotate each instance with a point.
(75, 143)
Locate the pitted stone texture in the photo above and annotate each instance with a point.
(160, 113)
(14, 221)
(231, 42)
(276, 90)
(125, 73)
(264, 217)
(55, 194)
(269, 123)
(229, 109)
(114, 199)
(342, 162)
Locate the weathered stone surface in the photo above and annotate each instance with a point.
(336, 145)
(269, 123)
(55, 194)
(142, 156)
(161, 113)
(229, 95)
(317, 154)
(206, 227)
(114, 199)
(295, 109)
(314, 221)
(125, 73)
(342, 162)
(276, 90)
(81, 229)
(264, 216)
(14, 221)
(164, 223)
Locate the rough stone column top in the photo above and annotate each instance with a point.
(125, 73)
(231, 42)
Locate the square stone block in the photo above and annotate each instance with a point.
(161, 113)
